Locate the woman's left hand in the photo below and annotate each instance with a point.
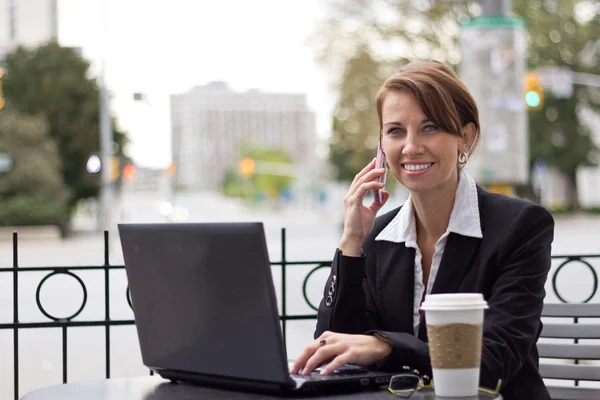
(337, 349)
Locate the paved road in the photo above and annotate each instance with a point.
(312, 233)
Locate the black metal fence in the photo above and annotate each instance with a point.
(68, 322)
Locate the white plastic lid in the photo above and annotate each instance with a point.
(454, 301)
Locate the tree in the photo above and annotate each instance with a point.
(361, 38)
(355, 127)
(53, 81)
(399, 30)
(268, 184)
(561, 33)
(32, 192)
(258, 184)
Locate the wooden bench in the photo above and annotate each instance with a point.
(571, 351)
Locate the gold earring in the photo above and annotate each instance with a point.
(462, 159)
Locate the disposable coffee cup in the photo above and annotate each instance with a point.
(455, 328)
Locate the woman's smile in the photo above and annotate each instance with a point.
(412, 169)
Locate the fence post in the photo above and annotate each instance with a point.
(16, 313)
(107, 303)
(283, 288)
(64, 353)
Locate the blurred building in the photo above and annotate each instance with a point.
(27, 23)
(150, 180)
(588, 178)
(209, 122)
(555, 187)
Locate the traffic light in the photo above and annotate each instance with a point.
(534, 93)
(171, 169)
(247, 167)
(129, 172)
(2, 101)
(115, 172)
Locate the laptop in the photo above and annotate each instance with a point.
(206, 311)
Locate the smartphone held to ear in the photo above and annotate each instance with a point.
(380, 162)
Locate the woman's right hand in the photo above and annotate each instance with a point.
(358, 219)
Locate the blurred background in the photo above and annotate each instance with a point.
(189, 111)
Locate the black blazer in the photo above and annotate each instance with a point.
(509, 266)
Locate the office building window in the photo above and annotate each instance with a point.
(54, 20)
(11, 16)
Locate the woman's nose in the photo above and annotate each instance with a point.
(412, 147)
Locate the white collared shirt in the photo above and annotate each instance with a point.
(464, 220)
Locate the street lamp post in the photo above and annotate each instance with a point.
(493, 66)
(106, 140)
(106, 144)
(495, 8)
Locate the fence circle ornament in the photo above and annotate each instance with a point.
(560, 267)
(128, 297)
(43, 310)
(305, 283)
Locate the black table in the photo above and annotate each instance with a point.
(156, 388)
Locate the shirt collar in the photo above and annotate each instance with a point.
(464, 219)
(402, 228)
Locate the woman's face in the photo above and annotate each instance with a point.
(423, 157)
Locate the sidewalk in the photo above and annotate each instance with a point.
(43, 232)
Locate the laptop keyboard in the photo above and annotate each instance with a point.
(344, 373)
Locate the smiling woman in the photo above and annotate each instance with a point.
(424, 127)
(450, 236)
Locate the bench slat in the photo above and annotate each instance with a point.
(572, 310)
(571, 331)
(569, 351)
(570, 371)
(573, 393)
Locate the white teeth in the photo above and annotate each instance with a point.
(416, 167)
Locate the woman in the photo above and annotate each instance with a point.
(449, 236)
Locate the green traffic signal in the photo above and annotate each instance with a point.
(532, 99)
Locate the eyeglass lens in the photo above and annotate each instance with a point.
(404, 385)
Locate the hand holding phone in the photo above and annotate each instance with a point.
(380, 162)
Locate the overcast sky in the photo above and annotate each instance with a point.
(165, 47)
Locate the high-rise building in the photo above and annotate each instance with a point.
(27, 23)
(209, 122)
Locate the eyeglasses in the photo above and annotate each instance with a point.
(405, 385)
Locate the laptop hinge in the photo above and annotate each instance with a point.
(226, 382)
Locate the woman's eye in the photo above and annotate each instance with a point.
(395, 131)
(431, 129)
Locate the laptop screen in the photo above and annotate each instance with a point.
(203, 299)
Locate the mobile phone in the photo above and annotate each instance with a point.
(380, 162)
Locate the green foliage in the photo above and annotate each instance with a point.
(35, 210)
(353, 143)
(565, 143)
(399, 29)
(261, 184)
(234, 185)
(32, 192)
(561, 33)
(54, 82)
(346, 43)
(269, 184)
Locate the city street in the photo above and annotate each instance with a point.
(313, 232)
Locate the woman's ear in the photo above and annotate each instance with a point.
(468, 137)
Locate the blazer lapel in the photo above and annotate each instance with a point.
(455, 263)
(395, 280)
